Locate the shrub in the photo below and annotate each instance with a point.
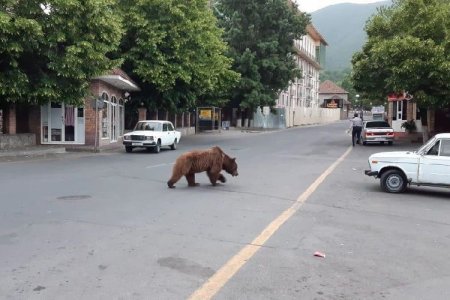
(409, 125)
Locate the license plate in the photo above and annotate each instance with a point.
(137, 144)
(379, 139)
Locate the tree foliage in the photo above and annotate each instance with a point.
(175, 52)
(408, 48)
(50, 52)
(261, 36)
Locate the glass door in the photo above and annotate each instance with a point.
(56, 122)
(69, 123)
(114, 119)
(113, 122)
(399, 110)
(61, 123)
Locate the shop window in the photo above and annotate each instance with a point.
(399, 110)
(105, 116)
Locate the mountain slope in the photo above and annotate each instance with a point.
(342, 26)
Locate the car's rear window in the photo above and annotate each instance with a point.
(378, 124)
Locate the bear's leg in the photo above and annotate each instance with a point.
(213, 177)
(181, 167)
(191, 179)
(175, 177)
(222, 178)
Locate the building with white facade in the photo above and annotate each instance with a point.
(299, 104)
(310, 53)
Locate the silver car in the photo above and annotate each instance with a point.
(377, 132)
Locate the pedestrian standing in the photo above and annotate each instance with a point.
(356, 124)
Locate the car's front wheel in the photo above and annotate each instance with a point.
(157, 148)
(393, 181)
(128, 149)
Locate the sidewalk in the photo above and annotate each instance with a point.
(52, 150)
(31, 151)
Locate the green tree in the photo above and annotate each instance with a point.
(334, 75)
(408, 48)
(261, 36)
(50, 52)
(175, 52)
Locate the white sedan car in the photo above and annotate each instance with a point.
(428, 166)
(152, 134)
(377, 132)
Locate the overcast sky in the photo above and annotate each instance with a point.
(312, 5)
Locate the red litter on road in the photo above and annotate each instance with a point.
(319, 254)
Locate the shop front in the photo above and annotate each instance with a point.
(402, 108)
(62, 124)
(99, 122)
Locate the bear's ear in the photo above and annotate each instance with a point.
(233, 159)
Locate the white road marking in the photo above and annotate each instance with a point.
(215, 283)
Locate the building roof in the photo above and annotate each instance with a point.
(310, 29)
(315, 34)
(329, 87)
(119, 79)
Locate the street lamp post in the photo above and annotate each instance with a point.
(361, 112)
(356, 102)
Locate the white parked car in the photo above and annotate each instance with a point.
(428, 166)
(377, 132)
(152, 134)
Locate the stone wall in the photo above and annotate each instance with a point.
(11, 141)
(289, 117)
(311, 115)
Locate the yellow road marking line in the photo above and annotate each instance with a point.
(227, 271)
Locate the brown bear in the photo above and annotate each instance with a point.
(212, 161)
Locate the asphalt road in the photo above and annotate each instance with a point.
(105, 226)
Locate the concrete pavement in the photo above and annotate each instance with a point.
(40, 151)
(52, 150)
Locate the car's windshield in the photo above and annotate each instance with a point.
(152, 126)
(426, 145)
(377, 124)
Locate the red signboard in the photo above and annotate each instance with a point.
(333, 103)
(399, 96)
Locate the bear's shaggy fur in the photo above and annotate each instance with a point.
(212, 161)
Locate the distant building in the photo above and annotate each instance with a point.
(310, 56)
(333, 96)
(299, 104)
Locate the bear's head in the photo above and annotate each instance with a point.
(229, 165)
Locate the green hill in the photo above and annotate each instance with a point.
(342, 26)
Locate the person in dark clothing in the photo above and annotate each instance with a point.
(356, 124)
